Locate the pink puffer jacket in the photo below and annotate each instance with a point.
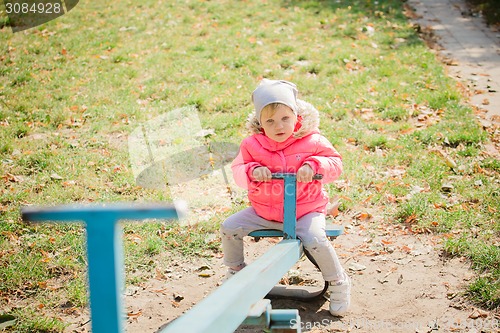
(305, 146)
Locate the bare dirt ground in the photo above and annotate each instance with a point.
(401, 283)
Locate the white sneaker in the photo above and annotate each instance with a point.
(340, 296)
(231, 271)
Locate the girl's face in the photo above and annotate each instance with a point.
(280, 125)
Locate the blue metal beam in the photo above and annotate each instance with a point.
(113, 211)
(104, 251)
(228, 306)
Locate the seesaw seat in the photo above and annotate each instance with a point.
(332, 232)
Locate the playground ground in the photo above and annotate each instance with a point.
(402, 282)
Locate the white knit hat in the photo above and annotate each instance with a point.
(274, 91)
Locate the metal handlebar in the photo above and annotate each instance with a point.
(282, 175)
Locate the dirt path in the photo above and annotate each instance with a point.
(469, 49)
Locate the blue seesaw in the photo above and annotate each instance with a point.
(240, 300)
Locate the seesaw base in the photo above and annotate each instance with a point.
(298, 293)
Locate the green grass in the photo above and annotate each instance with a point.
(485, 259)
(73, 89)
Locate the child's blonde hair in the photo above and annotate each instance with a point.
(270, 109)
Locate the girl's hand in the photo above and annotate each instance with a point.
(262, 174)
(305, 174)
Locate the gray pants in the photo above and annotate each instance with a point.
(310, 229)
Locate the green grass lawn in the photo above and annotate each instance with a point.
(73, 89)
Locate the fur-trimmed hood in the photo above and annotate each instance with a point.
(308, 118)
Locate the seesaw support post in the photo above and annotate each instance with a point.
(104, 251)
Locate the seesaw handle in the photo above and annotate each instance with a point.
(280, 175)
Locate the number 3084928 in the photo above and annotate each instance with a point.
(33, 8)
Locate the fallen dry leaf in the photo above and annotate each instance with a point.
(411, 219)
(367, 200)
(405, 248)
(69, 183)
(159, 274)
(160, 291)
(448, 160)
(178, 297)
(333, 207)
(391, 198)
(380, 186)
(8, 177)
(370, 253)
(356, 267)
(478, 313)
(363, 216)
(134, 314)
(55, 176)
(204, 268)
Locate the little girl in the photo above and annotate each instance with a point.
(286, 139)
